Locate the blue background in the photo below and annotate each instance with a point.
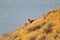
(14, 13)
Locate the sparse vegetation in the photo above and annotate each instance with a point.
(32, 37)
(43, 23)
(40, 29)
(5, 35)
(42, 38)
(34, 28)
(49, 28)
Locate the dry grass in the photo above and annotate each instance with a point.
(45, 28)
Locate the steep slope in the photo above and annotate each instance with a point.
(45, 28)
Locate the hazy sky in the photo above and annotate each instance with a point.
(14, 13)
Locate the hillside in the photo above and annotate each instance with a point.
(44, 28)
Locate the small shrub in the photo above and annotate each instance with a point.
(15, 36)
(43, 23)
(55, 36)
(32, 38)
(50, 25)
(5, 35)
(42, 38)
(36, 27)
(49, 28)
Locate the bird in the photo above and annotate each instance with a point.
(30, 20)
